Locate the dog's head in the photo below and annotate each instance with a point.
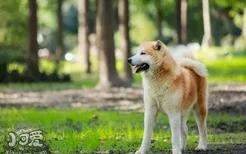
(149, 56)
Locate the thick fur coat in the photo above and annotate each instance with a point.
(174, 86)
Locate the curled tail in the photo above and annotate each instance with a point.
(185, 58)
(195, 65)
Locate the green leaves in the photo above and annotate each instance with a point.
(13, 24)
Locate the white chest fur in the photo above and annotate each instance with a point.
(160, 92)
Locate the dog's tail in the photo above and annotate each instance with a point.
(182, 51)
(184, 56)
(195, 65)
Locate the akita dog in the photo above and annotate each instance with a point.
(175, 86)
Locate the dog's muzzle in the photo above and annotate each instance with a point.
(129, 61)
(138, 68)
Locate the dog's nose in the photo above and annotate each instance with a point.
(129, 60)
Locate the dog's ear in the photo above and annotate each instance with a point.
(158, 45)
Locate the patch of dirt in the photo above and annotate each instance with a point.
(215, 149)
(228, 98)
(212, 149)
(221, 149)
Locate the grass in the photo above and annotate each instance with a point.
(227, 69)
(42, 86)
(73, 130)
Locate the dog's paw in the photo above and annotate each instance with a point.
(177, 151)
(138, 152)
(183, 147)
(201, 147)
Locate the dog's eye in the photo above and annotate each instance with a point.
(142, 53)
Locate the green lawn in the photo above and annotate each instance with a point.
(227, 69)
(73, 130)
(42, 86)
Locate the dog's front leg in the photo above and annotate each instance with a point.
(175, 124)
(150, 114)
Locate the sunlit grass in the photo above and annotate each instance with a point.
(77, 129)
(47, 86)
(227, 69)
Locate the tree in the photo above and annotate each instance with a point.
(123, 11)
(32, 56)
(13, 24)
(59, 44)
(206, 25)
(181, 12)
(158, 8)
(184, 21)
(83, 38)
(108, 76)
(155, 8)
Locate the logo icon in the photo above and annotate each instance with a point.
(26, 141)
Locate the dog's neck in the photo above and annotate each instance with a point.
(167, 70)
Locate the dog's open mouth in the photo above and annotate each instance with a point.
(139, 68)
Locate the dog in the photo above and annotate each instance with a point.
(174, 86)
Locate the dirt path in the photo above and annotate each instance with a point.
(222, 97)
(230, 98)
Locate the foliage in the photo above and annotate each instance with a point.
(231, 16)
(13, 24)
(47, 14)
(16, 72)
(143, 20)
(143, 26)
(235, 5)
(139, 32)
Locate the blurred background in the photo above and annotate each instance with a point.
(67, 40)
(63, 68)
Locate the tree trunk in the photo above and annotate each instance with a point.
(178, 20)
(123, 11)
(32, 57)
(59, 44)
(184, 21)
(206, 41)
(84, 45)
(244, 23)
(181, 9)
(108, 76)
(159, 19)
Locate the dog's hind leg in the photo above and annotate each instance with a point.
(201, 123)
(200, 113)
(184, 131)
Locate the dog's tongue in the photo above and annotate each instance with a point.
(135, 69)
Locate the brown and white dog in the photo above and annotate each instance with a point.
(175, 86)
